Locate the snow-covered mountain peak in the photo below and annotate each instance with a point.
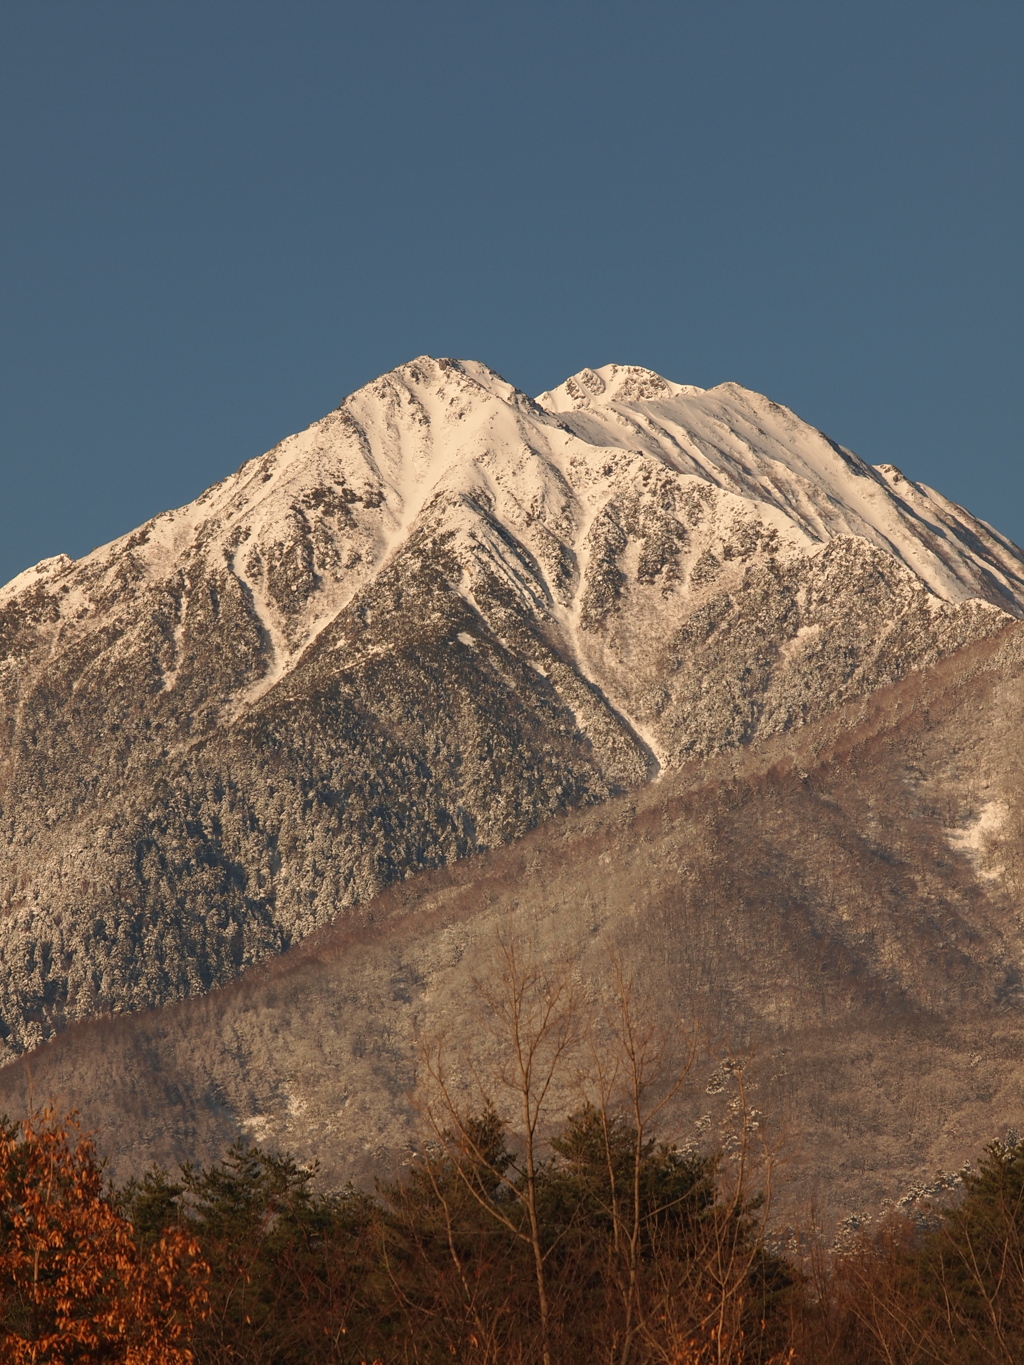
(437, 615)
(617, 485)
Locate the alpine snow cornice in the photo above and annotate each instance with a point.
(438, 615)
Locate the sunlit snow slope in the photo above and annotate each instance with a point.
(438, 615)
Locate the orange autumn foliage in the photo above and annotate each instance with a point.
(75, 1287)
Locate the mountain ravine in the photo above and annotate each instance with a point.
(416, 630)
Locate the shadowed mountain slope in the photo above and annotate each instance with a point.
(844, 899)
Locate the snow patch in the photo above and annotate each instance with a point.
(974, 839)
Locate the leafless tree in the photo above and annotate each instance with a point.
(531, 1020)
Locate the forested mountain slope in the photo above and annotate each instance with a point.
(843, 902)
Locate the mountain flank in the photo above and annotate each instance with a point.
(434, 620)
(839, 904)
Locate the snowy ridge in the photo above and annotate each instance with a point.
(744, 442)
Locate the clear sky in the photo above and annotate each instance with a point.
(218, 218)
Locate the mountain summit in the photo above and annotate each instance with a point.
(415, 630)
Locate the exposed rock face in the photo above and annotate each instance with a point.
(414, 631)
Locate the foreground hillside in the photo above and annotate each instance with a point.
(841, 902)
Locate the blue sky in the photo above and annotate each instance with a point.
(219, 218)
